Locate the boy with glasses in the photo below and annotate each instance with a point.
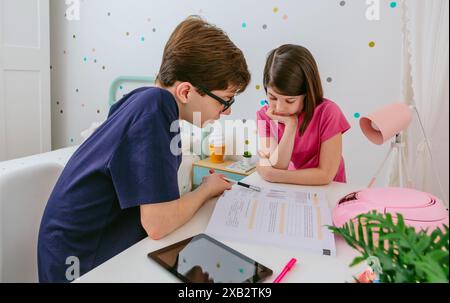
(121, 186)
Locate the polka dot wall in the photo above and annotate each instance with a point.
(117, 38)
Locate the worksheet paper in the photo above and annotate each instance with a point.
(292, 219)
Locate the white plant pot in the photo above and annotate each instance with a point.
(247, 161)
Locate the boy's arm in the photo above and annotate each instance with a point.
(161, 219)
(330, 159)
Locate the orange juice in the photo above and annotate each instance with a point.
(217, 153)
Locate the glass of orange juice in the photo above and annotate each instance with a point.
(217, 148)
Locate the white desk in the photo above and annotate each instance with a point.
(133, 265)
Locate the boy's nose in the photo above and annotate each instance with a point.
(227, 112)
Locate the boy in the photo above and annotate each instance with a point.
(121, 184)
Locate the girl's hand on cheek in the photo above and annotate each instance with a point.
(288, 121)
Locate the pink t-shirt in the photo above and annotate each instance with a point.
(328, 121)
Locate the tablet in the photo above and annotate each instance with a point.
(202, 259)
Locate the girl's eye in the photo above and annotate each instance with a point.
(290, 101)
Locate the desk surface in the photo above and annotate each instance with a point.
(133, 265)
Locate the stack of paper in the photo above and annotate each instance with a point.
(290, 219)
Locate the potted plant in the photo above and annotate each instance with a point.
(247, 156)
(405, 255)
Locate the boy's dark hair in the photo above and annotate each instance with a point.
(292, 71)
(202, 54)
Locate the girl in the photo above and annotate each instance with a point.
(300, 130)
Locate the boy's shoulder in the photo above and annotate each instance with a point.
(156, 94)
(146, 100)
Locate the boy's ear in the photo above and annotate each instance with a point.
(183, 89)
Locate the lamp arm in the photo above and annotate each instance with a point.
(427, 142)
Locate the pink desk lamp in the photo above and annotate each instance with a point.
(384, 124)
(420, 210)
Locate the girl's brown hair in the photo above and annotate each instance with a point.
(292, 71)
(203, 54)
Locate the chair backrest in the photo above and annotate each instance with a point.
(23, 195)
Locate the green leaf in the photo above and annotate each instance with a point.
(357, 261)
(438, 255)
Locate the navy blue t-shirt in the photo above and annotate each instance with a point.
(93, 212)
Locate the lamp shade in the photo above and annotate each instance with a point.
(386, 122)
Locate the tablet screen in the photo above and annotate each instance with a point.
(202, 259)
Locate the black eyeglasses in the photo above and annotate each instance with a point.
(226, 104)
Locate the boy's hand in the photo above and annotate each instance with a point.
(215, 185)
(288, 121)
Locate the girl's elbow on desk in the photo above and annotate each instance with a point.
(318, 178)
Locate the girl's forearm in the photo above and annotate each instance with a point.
(310, 176)
(281, 155)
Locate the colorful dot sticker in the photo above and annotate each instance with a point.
(154, 30)
(98, 111)
(218, 265)
(258, 87)
(263, 102)
(393, 4)
(244, 24)
(357, 115)
(264, 26)
(85, 59)
(371, 44)
(342, 3)
(329, 79)
(241, 270)
(285, 17)
(275, 10)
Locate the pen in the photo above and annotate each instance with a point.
(252, 187)
(287, 268)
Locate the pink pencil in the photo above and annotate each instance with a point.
(287, 268)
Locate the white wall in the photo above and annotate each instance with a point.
(363, 78)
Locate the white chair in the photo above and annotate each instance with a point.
(23, 195)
